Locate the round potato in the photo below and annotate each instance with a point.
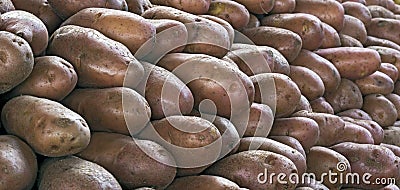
(376, 83)
(195, 7)
(309, 83)
(348, 41)
(331, 37)
(320, 105)
(236, 14)
(304, 104)
(380, 109)
(355, 114)
(16, 61)
(395, 99)
(355, 28)
(358, 10)
(390, 70)
(203, 182)
(347, 96)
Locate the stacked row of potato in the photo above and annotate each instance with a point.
(91, 100)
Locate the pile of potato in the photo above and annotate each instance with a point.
(198, 94)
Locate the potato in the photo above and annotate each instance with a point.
(27, 26)
(42, 9)
(325, 69)
(355, 114)
(390, 187)
(285, 41)
(322, 160)
(206, 76)
(303, 129)
(52, 77)
(307, 26)
(6, 6)
(320, 105)
(355, 28)
(48, 127)
(310, 184)
(329, 11)
(330, 126)
(257, 123)
(391, 136)
(262, 143)
(290, 141)
(374, 128)
(378, 161)
(236, 14)
(355, 133)
(304, 104)
(390, 70)
(277, 91)
(138, 6)
(103, 65)
(65, 9)
(349, 63)
(228, 27)
(276, 61)
(309, 83)
(133, 162)
(374, 41)
(348, 41)
(388, 55)
(359, 11)
(357, 1)
(194, 142)
(380, 12)
(376, 83)
(18, 164)
(395, 99)
(120, 110)
(203, 182)
(347, 96)
(194, 7)
(390, 5)
(380, 109)
(74, 173)
(331, 37)
(395, 149)
(396, 88)
(237, 168)
(283, 6)
(16, 61)
(258, 6)
(385, 28)
(204, 36)
(253, 21)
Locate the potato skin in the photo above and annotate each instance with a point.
(395, 99)
(75, 173)
(202, 182)
(6, 6)
(349, 63)
(331, 37)
(380, 12)
(348, 41)
(290, 141)
(358, 10)
(257, 123)
(52, 77)
(236, 14)
(111, 110)
(127, 28)
(309, 83)
(376, 83)
(385, 28)
(391, 135)
(304, 104)
(355, 28)
(380, 109)
(54, 130)
(355, 114)
(374, 128)
(390, 70)
(134, 163)
(355, 133)
(228, 27)
(71, 42)
(283, 6)
(18, 162)
(347, 96)
(258, 6)
(374, 41)
(388, 55)
(138, 6)
(320, 105)
(390, 5)
(195, 7)
(16, 58)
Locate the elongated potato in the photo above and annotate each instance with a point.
(42, 9)
(329, 11)
(347, 96)
(385, 28)
(194, 7)
(390, 5)
(355, 28)
(355, 114)
(380, 109)
(27, 26)
(374, 128)
(283, 6)
(138, 6)
(376, 83)
(390, 70)
(395, 99)
(357, 1)
(54, 130)
(18, 163)
(290, 141)
(134, 163)
(391, 135)
(119, 109)
(374, 41)
(348, 41)
(16, 61)
(388, 55)
(325, 69)
(309, 83)
(355, 133)
(52, 77)
(380, 12)
(103, 65)
(349, 63)
(277, 91)
(257, 123)
(395, 149)
(304, 104)
(331, 37)
(75, 173)
(65, 9)
(397, 88)
(320, 105)
(307, 26)
(258, 6)
(6, 6)
(358, 10)
(235, 13)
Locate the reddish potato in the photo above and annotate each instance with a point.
(355, 133)
(380, 12)
(6, 6)
(358, 10)
(395, 99)
(385, 28)
(194, 7)
(355, 114)
(376, 83)
(258, 6)
(374, 41)
(348, 41)
(355, 28)
(388, 4)
(320, 105)
(236, 14)
(290, 141)
(253, 22)
(347, 96)
(374, 128)
(380, 109)
(331, 37)
(309, 83)
(203, 182)
(283, 6)
(391, 136)
(138, 6)
(257, 123)
(304, 104)
(390, 70)
(388, 55)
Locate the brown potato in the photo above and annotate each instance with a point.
(304, 104)
(236, 14)
(309, 83)
(380, 12)
(358, 10)
(194, 142)
(16, 61)
(120, 110)
(395, 99)
(374, 128)
(27, 26)
(42, 9)
(376, 83)
(385, 28)
(138, 6)
(277, 91)
(329, 11)
(103, 65)
(355, 133)
(374, 41)
(65, 9)
(388, 4)
(258, 6)
(195, 7)
(290, 141)
(347, 96)
(355, 114)
(311, 184)
(303, 129)
(253, 21)
(134, 163)
(390, 70)
(228, 27)
(388, 55)
(307, 26)
(259, 161)
(320, 105)
(395, 149)
(6, 6)
(283, 6)
(47, 126)
(380, 109)
(257, 123)
(349, 63)
(357, 1)
(52, 77)
(74, 173)
(390, 187)
(285, 41)
(18, 163)
(331, 37)
(203, 182)
(348, 41)
(397, 88)
(355, 28)
(391, 136)
(325, 69)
